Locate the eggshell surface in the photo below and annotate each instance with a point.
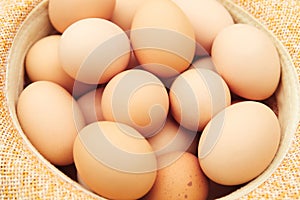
(50, 118)
(173, 137)
(242, 140)
(42, 64)
(63, 13)
(82, 183)
(114, 160)
(248, 61)
(137, 98)
(124, 12)
(180, 179)
(196, 96)
(94, 50)
(162, 38)
(208, 19)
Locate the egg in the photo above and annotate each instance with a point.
(50, 118)
(173, 137)
(63, 13)
(196, 96)
(42, 64)
(137, 98)
(90, 105)
(179, 179)
(248, 61)
(114, 160)
(242, 140)
(162, 38)
(124, 12)
(94, 50)
(208, 19)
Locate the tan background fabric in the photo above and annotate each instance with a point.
(24, 176)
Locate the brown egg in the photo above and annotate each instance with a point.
(179, 179)
(63, 13)
(163, 38)
(124, 12)
(90, 105)
(42, 64)
(94, 50)
(208, 19)
(137, 98)
(173, 137)
(242, 140)
(247, 60)
(50, 118)
(196, 96)
(114, 160)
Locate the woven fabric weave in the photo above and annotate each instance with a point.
(24, 176)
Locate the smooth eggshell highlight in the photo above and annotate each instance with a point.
(137, 98)
(241, 140)
(63, 13)
(94, 50)
(164, 45)
(51, 119)
(114, 160)
(173, 137)
(208, 19)
(42, 63)
(196, 96)
(124, 12)
(248, 61)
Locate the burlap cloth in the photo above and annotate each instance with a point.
(24, 176)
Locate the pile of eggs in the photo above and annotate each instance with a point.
(152, 99)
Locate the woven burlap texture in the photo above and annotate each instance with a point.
(25, 176)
